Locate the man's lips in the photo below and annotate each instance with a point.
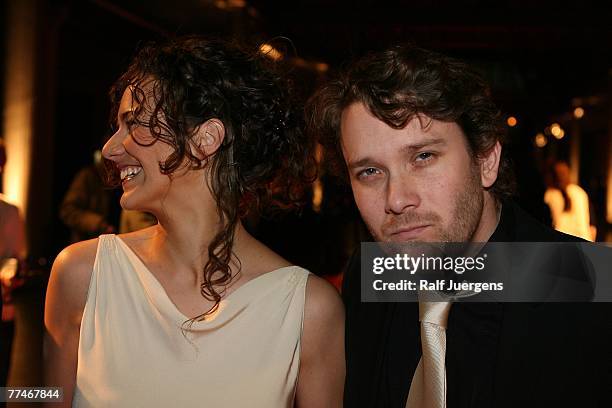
(408, 233)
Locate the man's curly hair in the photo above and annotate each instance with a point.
(264, 158)
(402, 82)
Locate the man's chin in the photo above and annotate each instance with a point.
(425, 237)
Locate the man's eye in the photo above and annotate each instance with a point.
(423, 158)
(370, 171)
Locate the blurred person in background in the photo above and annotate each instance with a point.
(569, 204)
(12, 256)
(86, 206)
(194, 311)
(131, 220)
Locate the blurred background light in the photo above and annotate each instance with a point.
(270, 52)
(540, 140)
(578, 112)
(556, 131)
(230, 4)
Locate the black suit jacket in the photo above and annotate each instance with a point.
(498, 354)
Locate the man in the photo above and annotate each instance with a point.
(422, 144)
(12, 253)
(87, 205)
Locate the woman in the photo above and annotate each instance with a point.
(194, 311)
(568, 204)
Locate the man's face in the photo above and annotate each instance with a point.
(419, 183)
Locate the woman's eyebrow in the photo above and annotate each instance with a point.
(123, 116)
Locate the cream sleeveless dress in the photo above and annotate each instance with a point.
(132, 352)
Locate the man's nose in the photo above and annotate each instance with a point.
(402, 194)
(114, 147)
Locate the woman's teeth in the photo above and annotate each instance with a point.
(128, 173)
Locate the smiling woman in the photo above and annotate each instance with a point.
(200, 312)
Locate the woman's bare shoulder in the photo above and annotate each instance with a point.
(75, 257)
(322, 364)
(323, 303)
(71, 273)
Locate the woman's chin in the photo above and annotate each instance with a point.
(129, 202)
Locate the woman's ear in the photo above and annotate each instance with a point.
(208, 138)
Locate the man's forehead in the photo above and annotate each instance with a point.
(358, 120)
(359, 112)
(365, 138)
(355, 111)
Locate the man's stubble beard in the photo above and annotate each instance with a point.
(467, 213)
(469, 204)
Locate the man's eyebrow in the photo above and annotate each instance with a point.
(407, 149)
(360, 163)
(425, 143)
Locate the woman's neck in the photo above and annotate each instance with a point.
(181, 239)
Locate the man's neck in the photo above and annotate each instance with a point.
(489, 220)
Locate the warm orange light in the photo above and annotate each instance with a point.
(511, 121)
(540, 140)
(578, 112)
(270, 52)
(8, 270)
(556, 131)
(321, 67)
(317, 187)
(230, 4)
(317, 195)
(609, 198)
(319, 153)
(18, 104)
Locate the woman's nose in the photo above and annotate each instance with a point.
(114, 146)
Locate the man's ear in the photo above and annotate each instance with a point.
(208, 138)
(489, 165)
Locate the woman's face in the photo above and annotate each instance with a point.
(137, 160)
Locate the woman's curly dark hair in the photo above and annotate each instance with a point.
(264, 158)
(397, 84)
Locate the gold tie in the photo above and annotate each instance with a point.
(428, 387)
